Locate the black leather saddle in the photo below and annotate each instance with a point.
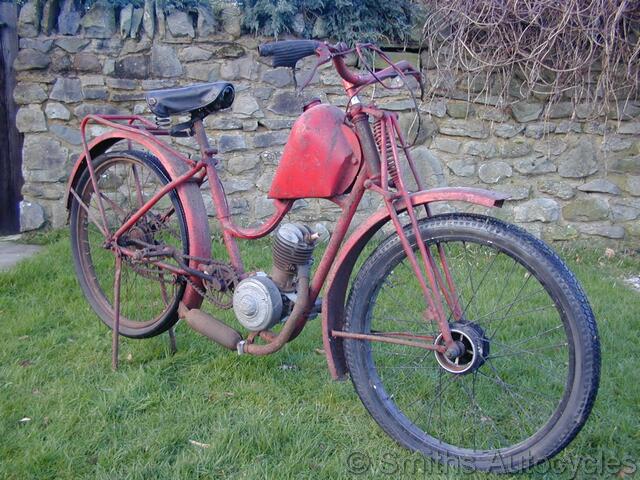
(199, 100)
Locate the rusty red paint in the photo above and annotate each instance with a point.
(174, 163)
(329, 155)
(115, 341)
(353, 81)
(173, 184)
(433, 291)
(448, 290)
(386, 338)
(321, 158)
(338, 278)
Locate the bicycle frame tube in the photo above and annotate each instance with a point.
(380, 166)
(368, 177)
(153, 200)
(349, 206)
(231, 231)
(378, 176)
(348, 203)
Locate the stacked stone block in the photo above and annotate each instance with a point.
(568, 176)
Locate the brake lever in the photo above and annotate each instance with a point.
(324, 55)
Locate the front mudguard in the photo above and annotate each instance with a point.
(195, 214)
(333, 302)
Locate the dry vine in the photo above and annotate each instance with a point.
(586, 52)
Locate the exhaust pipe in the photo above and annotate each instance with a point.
(277, 342)
(210, 327)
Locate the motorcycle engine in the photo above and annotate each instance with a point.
(257, 303)
(261, 301)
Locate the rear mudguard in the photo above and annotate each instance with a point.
(333, 303)
(189, 194)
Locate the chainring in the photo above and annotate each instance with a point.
(220, 290)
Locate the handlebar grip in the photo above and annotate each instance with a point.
(286, 53)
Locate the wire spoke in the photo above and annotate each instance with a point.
(146, 290)
(510, 306)
(475, 291)
(531, 351)
(138, 186)
(502, 383)
(494, 297)
(528, 339)
(522, 313)
(511, 394)
(502, 439)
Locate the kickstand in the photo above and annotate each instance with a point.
(116, 308)
(173, 347)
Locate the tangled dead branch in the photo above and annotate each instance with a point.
(582, 52)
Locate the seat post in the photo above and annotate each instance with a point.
(206, 151)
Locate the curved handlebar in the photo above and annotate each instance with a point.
(358, 80)
(287, 53)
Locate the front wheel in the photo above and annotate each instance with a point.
(528, 379)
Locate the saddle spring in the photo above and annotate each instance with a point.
(163, 122)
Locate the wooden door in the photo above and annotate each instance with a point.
(10, 138)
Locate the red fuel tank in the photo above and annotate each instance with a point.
(321, 159)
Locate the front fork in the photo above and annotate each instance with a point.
(386, 179)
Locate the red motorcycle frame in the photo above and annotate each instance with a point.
(372, 164)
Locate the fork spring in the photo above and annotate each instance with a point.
(385, 143)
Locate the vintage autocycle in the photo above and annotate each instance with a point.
(465, 337)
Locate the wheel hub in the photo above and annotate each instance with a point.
(472, 348)
(142, 231)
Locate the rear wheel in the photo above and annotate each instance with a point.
(149, 295)
(528, 377)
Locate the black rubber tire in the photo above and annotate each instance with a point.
(83, 261)
(558, 281)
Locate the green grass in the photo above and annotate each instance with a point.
(274, 417)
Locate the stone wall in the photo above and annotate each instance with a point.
(568, 177)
